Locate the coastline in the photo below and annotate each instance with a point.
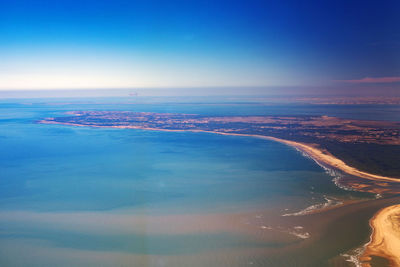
(385, 237)
(323, 158)
(316, 154)
(330, 160)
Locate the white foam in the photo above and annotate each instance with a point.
(329, 203)
(354, 257)
(301, 235)
(337, 175)
(296, 231)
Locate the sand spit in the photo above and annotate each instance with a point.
(321, 157)
(330, 160)
(385, 238)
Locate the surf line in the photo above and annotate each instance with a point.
(316, 154)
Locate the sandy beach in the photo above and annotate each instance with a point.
(385, 238)
(324, 158)
(312, 151)
(330, 160)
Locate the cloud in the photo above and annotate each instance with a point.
(373, 80)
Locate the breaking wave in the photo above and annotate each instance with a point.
(329, 202)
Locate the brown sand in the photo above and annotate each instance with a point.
(385, 239)
(330, 160)
(325, 158)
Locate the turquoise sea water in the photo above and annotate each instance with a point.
(77, 196)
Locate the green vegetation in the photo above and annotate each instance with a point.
(373, 158)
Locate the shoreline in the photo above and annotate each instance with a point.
(377, 222)
(385, 238)
(316, 154)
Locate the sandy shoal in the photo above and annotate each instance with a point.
(385, 238)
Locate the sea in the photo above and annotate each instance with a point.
(81, 196)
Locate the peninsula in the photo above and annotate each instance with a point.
(366, 149)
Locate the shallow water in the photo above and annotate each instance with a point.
(105, 197)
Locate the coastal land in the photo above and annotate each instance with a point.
(339, 145)
(385, 239)
(343, 145)
(366, 149)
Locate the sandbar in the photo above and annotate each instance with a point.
(385, 238)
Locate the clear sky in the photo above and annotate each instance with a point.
(61, 44)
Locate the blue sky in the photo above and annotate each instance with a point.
(126, 44)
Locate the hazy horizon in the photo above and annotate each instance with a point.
(323, 92)
(302, 49)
